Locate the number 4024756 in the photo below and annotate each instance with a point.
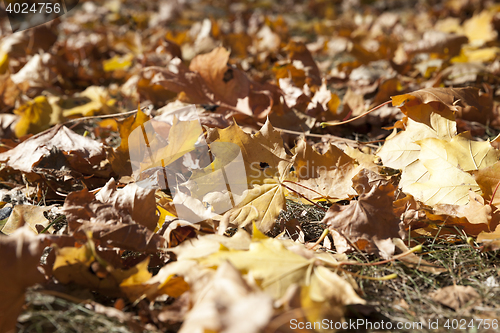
(472, 323)
(40, 7)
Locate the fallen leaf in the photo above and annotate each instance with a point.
(35, 116)
(229, 304)
(368, 222)
(323, 176)
(262, 205)
(420, 104)
(326, 297)
(31, 216)
(109, 224)
(81, 153)
(269, 262)
(456, 297)
(21, 253)
(137, 202)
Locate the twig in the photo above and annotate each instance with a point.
(417, 248)
(307, 188)
(291, 189)
(331, 123)
(329, 136)
(122, 114)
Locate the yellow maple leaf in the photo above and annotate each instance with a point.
(35, 116)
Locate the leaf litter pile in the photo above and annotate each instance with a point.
(340, 214)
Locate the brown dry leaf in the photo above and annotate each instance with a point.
(465, 102)
(324, 176)
(137, 202)
(298, 52)
(368, 222)
(110, 226)
(82, 152)
(456, 297)
(20, 257)
(210, 80)
(227, 84)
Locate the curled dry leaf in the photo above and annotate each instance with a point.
(137, 202)
(112, 223)
(465, 102)
(368, 223)
(82, 153)
(20, 257)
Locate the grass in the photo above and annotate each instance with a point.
(46, 313)
(407, 298)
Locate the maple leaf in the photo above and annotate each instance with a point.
(112, 223)
(269, 261)
(368, 222)
(324, 176)
(436, 161)
(35, 116)
(210, 80)
(401, 149)
(263, 153)
(420, 104)
(120, 156)
(262, 205)
(229, 303)
(266, 163)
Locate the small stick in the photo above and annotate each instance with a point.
(291, 189)
(335, 123)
